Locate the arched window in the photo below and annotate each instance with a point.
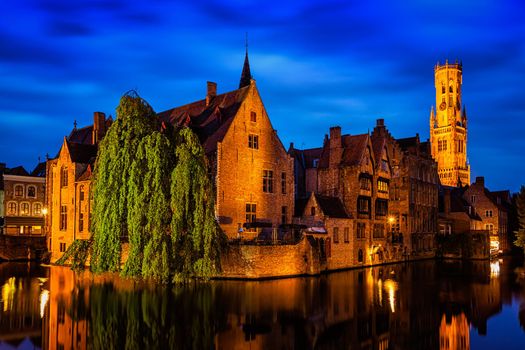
(31, 191)
(63, 177)
(24, 208)
(360, 256)
(443, 88)
(12, 208)
(19, 191)
(37, 209)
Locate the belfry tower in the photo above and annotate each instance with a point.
(448, 126)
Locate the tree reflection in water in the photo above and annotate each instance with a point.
(424, 305)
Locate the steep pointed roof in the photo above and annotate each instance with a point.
(209, 121)
(246, 75)
(354, 147)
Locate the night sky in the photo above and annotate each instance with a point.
(317, 64)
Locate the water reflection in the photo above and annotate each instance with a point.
(423, 305)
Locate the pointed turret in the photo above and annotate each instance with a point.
(246, 75)
(432, 118)
(464, 117)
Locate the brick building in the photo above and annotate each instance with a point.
(493, 209)
(250, 168)
(68, 178)
(23, 201)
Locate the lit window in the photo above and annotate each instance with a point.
(31, 191)
(253, 141)
(268, 181)
(12, 208)
(251, 213)
(382, 186)
(19, 191)
(37, 209)
(24, 209)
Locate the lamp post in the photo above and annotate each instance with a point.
(44, 212)
(391, 220)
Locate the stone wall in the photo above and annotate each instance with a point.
(21, 247)
(268, 261)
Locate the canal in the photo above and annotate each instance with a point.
(421, 305)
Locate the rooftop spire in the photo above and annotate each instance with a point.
(246, 75)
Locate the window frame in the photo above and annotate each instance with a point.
(268, 181)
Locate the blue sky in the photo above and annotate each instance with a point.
(317, 64)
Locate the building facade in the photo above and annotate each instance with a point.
(493, 212)
(23, 202)
(448, 126)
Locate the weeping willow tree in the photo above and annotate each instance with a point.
(196, 236)
(111, 193)
(153, 188)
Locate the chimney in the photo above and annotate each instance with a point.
(99, 127)
(446, 201)
(211, 92)
(480, 180)
(380, 122)
(336, 149)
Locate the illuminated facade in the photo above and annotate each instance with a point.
(448, 126)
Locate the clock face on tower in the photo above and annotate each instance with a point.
(442, 106)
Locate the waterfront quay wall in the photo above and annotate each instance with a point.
(269, 261)
(22, 247)
(469, 245)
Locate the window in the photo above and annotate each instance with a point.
(31, 191)
(12, 208)
(490, 228)
(283, 183)
(361, 228)
(253, 141)
(472, 199)
(268, 181)
(347, 234)
(336, 234)
(81, 194)
(19, 191)
(363, 205)
(253, 116)
(443, 88)
(382, 186)
(62, 247)
(63, 217)
(81, 222)
(488, 213)
(63, 177)
(381, 207)
(315, 163)
(37, 209)
(444, 145)
(365, 183)
(360, 256)
(251, 209)
(24, 209)
(284, 215)
(312, 211)
(379, 231)
(384, 164)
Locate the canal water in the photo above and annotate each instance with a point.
(420, 305)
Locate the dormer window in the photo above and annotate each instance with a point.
(315, 163)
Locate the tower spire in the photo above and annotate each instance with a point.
(246, 75)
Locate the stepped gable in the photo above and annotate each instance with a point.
(332, 207)
(407, 143)
(209, 122)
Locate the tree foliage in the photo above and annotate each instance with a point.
(520, 208)
(194, 228)
(152, 188)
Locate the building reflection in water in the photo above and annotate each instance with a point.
(425, 305)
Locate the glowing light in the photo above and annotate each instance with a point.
(391, 287)
(8, 292)
(380, 291)
(44, 298)
(44, 211)
(494, 269)
(391, 219)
